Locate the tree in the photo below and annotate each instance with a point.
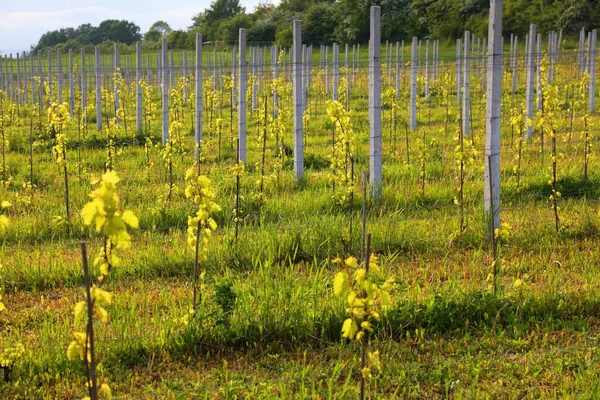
(180, 39)
(223, 9)
(161, 27)
(579, 14)
(157, 31)
(218, 11)
(319, 24)
(284, 36)
(229, 28)
(152, 36)
(353, 21)
(262, 31)
(119, 31)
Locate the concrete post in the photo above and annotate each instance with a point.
(165, 92)
(397, 72)
(298, 106)
(459, 71)
(375, 145)
(60, 77)
(580, 50)
(83, 83)
(198, 99)
(336, 71)
(98, 92)
(71, 84)
(538, 72)
(466, 110)
(242, 96)
(117, 63)
(138, 87)
(413, 85)
(427, 68)
(492, 124)
(529, 90)
(592, 85)
(25, 78)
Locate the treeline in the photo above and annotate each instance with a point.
(342, 21)
(108, 32)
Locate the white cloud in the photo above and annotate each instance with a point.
(21, 29)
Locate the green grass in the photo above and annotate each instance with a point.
(269, 324)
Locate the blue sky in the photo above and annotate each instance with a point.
(22, 22)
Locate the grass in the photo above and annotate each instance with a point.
(269, 324)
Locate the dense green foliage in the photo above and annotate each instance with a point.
(344, 21)
(110, 30)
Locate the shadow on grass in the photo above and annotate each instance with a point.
(437, 315)
(570, 187)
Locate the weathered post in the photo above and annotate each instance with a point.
(559, 44)
(71, 84)
(49, 77)
(233, 75)
(375, 156)
(483, 71)
(538, 71)
(254, 80)
(198, 104)
(336, 71)
(275, 62)
(159, 70)
(427, 69)
(347, 66)
(18, 81)
(2, 75)
(358, 60)
(402, 66)
(242, 96)
(397, 72)
(580, 50)
(83, 84)
(298, 107)
(165, 92)
(592, 68)
(466, 109)
(326, 66)
(515, 57)
(117, 68)
(309, 77)
(413, 85)
(459, 71)
(530, 78)
(492, 124)
(60, 77)
(32, 73)
(172, 71)
(185, 74)
(138, 86)
(25, 78)
(98, 92)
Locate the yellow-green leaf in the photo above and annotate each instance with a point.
(74, 350)
(340, 283)
(349, 328)
(79, 309)
(352, 262)
(130, 219)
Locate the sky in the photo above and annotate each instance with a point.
(22, 22)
